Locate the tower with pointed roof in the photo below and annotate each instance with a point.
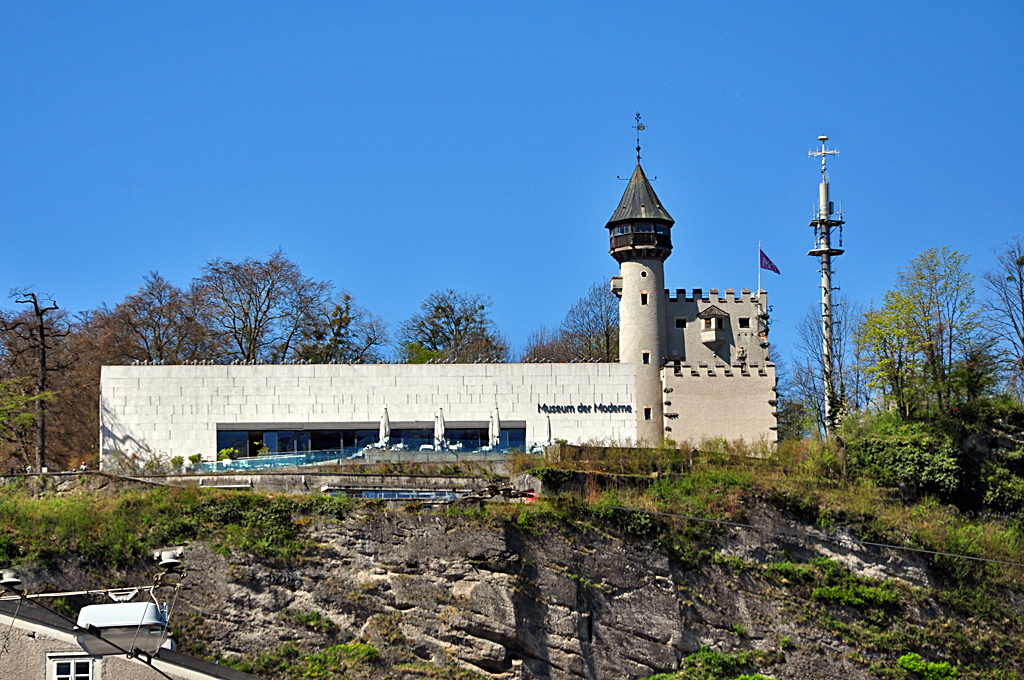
(640, 233)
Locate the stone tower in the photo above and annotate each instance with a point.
(641, 239)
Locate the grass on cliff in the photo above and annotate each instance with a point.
(118, 530)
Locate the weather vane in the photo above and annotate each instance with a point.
(638, 127)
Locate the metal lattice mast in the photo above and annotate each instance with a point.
(826, 219)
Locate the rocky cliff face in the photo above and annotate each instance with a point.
(511, 604)
(504, 602)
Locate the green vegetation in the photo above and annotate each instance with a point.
(288, 661)
(707, 664)
(121, 529)
(928, 671)
(312, 620)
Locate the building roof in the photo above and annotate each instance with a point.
(712, 312)
(55, 621)
(640, 202)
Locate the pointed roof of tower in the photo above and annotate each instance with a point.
(639, 201)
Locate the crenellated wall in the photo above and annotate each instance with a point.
(710, 400)
(738, 343)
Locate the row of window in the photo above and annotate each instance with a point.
(248, 443)
(744, 322)
(623, 229)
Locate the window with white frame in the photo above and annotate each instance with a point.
(72, 668)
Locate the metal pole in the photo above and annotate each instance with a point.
(823, 224)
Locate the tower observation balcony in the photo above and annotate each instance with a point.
(640, 228)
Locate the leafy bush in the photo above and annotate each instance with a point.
(908, 454)
(928, 670)
(856, 595)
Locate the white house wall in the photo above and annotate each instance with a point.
(177, 410)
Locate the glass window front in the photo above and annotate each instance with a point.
(239, 441)
(661, 229)
(643, 228)
(513, 438)
(620, 230)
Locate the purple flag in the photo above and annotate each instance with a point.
(768, 264)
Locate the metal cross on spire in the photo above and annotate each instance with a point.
(825, 151)
(638, 127)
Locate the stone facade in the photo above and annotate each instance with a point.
(177, 410)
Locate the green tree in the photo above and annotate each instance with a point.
(944, 318)
(923, 349)
(452, 326)
(889, 345)
(18, 403)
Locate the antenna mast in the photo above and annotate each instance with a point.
(826, 219)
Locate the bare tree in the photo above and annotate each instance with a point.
(30, 338)
(806, 382)
(260, 306)
(160, 322)
(589, 332)
(1004, 310)
(545, 344)
(344, 332)
(591, 326)
(452, 326)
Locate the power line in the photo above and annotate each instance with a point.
(827, 538)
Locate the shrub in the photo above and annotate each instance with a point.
(908, 454)
(928, 670)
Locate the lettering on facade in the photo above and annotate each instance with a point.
(584, 408)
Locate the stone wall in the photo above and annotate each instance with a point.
(710, 400)
(177, 410)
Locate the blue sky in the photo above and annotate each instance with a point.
(400, 148)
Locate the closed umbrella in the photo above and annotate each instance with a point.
(439, 430)
(548, 441)
(494, 433)
(385, 429)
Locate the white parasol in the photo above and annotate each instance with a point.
(385, 429)
(494, 429)
(439, 429)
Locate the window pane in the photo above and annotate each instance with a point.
(64, 668)
(643, 228)
(239, 441)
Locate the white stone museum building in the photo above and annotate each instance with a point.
(693, 365)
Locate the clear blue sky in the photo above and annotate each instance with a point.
(400, 148)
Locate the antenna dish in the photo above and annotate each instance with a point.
(823, 138)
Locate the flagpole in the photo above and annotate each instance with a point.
(758, 270)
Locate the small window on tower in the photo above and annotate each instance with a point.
(744, 322)
(647, 412)
(647, 357)
(643, 228)
(707, 324)
(719, 323)
(643, 298)
(661, 229)
(680, 323)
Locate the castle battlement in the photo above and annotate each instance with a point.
(698, 295)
